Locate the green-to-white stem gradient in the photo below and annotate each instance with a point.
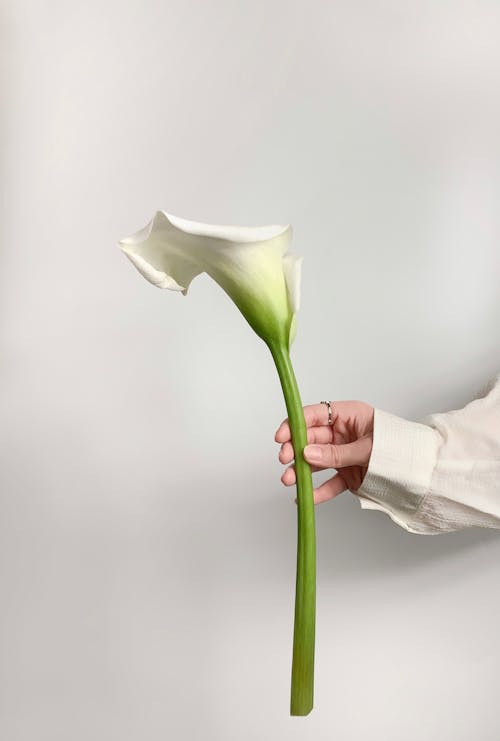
(302, 689)
(254, 269)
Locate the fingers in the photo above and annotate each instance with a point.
(290, 477)
(314, 435)
(356, 453)
(330, 489)
(316, 415)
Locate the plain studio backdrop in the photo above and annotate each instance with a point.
(147, 545)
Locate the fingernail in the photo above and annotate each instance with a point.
(312, 452)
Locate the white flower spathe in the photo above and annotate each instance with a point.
(251, 264)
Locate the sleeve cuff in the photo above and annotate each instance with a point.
(398, 477)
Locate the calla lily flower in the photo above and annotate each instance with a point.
(253, 267)
(249, 263)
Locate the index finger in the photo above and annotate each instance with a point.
(316, 415)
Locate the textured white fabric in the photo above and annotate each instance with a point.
(441, 473)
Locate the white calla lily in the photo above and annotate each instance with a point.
(251, 264)
(253, 267)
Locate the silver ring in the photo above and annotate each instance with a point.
(329, 411)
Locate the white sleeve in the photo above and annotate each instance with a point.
(439, 474)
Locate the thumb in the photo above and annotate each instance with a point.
(340, 456)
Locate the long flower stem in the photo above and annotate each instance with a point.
(302, 688)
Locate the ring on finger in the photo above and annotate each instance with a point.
(330, 415)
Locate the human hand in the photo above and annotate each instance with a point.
(345, 445)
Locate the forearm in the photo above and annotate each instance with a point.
(439, 474)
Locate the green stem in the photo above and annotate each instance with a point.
(302, 689)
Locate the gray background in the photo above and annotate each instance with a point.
(147, 545)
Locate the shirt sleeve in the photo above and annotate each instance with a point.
(441, 473)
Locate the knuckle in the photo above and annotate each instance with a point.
(337, 456)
